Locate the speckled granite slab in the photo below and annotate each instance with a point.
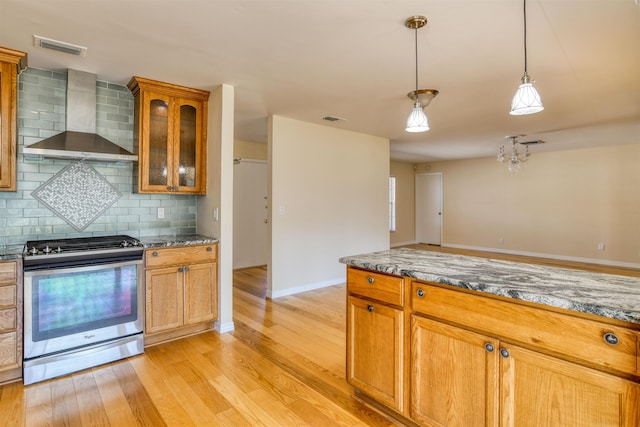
(180, 240)
(608, 295)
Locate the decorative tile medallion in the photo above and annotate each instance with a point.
(78, 194)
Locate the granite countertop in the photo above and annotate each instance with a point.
(179, 240)
(608, 295)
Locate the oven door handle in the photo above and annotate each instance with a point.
(79, 269)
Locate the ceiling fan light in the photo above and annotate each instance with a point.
(417, 121)
(526, 100)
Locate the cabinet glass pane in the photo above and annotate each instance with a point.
(158, 130)
(187, 167)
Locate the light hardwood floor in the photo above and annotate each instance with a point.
(282, 366)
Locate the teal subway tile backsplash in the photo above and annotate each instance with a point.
(41, 113)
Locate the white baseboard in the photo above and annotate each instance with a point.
(304, 288)
(395, 245)
(223, 328)
(547, 256)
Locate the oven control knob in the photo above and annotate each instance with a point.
(125, 244)
(47, 250)
(58, 250)
(33, 250)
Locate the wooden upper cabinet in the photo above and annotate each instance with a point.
(11, 62)
(170, 137)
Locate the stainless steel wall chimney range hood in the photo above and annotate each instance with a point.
(80, 141)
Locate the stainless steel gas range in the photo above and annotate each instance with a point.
(83, 304)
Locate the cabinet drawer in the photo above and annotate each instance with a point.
(378, 286)
(561, 334)
(8, 272)
(180, 255)
(8, 319)
(7, 295)
(8, 350)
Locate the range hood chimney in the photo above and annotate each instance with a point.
(80, 140)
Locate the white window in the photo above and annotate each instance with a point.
(392, 203)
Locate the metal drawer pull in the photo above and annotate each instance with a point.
(181, 269)
(155, 253)
(369, 308)
(504, 352)
(370, 280)
(611, 338)
(209, 249)
(420, 292)
(489, 347)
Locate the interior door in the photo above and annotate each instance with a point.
(250, 213)
(429, 208)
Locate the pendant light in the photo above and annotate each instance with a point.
(526, 100)
(417, 121)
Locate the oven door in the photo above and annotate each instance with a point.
(69, 308)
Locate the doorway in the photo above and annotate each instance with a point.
(429, 208)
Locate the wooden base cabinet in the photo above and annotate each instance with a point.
(181, 291)
(10, 321)
(376, 326)
(454, 378)
(464, 376)
(537, 390)
(375, 355)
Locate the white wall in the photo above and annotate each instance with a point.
(329, 198)
(562, 204)
(220, 196)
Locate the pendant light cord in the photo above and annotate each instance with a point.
(525, 36)
(416, 33)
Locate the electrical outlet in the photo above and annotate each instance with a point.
(160, 213)
(601, 246)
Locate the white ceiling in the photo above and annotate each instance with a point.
(354, 59)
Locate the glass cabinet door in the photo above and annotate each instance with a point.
(188, 145)
(158, 154)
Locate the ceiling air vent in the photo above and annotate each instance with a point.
(535, 141)
(65, 47)
(332, 119)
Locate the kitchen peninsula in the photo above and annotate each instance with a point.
(447, 339)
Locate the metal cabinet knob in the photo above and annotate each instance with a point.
(610, 338)
(489, 347)
(369, 308)
(209, 249)
(155, 253)
(187, 268)
(370, 280)
(504, 352)
(420, 292)
(181, 269)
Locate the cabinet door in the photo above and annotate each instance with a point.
(454, 375)
(374, 350)
(156, 152)
(164, 293)
(201, 291)
(7, 126)
(538, 391)
(189, 148)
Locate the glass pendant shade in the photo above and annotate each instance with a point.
(417, 121)
(526, 100)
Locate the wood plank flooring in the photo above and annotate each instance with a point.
(284, 365)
